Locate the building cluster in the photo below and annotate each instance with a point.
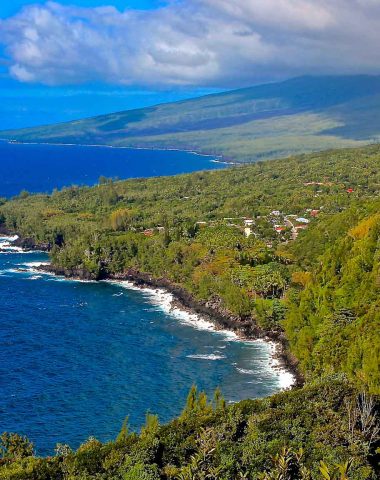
(285, 225)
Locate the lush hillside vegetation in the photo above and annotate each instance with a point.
(268, 121)
(291, 246)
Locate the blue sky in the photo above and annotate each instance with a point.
(74, 58)
(29, 104)
(10, 7)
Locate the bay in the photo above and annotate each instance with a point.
(41, 168)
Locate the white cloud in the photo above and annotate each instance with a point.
(193, 42)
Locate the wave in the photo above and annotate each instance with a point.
(8, 238)
(6, 244)
(9, 248)
(165, 302)
(34, 264)
(286, 379)
(246, 371)
(211, 356)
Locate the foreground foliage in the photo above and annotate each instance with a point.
(302, 434)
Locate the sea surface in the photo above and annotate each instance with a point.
(41, 168)
(77, 357)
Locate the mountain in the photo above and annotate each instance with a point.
(300, 115)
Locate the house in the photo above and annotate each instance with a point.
(275, 213)
(149, 232)
(325, 184)
(248, 231)
(314, 213)
(248, 222)
(302, 220)
(308, 184)
(202, 224)
(279, 228)
(350, 190)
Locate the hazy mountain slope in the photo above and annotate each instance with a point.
(299, 115)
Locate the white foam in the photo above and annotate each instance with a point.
(8, 238)
(34, 264)
(286, 379)
(165, 302)
(246, 371)
(9, 248)
(6, 244)
(212, 356)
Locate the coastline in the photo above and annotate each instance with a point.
(210, 312)
(215, 158)
(245, 329)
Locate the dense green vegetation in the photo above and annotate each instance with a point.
(212, 441)
(321, 289)
(268, 121)
(334, 322)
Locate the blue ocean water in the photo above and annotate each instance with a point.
(76, 358)
(41, 168)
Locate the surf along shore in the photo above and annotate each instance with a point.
(210, 311)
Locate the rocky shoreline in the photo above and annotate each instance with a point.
(245, 328)
(26, 243)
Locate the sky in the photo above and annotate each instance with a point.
(68, 59)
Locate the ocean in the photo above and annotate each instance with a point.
(77, 357)
(41, 168)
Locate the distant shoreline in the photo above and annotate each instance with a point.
(215, 158)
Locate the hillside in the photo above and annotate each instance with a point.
(318, 286)
(192, 231)
(304, 114)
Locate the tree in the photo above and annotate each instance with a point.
(15, 447)
(123, 434)
(24, 194)
(120, 218)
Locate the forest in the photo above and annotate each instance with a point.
(290, 246)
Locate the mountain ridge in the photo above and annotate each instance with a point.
(299, 115)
